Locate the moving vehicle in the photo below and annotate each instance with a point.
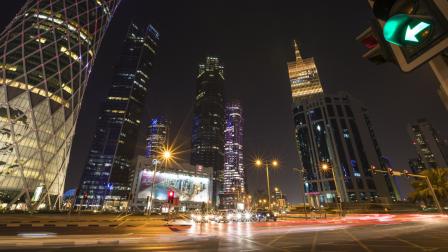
(265, 215)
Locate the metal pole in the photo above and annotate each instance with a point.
(153, 187)
(269, 186)
(434, 194)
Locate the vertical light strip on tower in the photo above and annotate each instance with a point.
(47, 53)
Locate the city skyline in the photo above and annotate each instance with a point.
(386, 81)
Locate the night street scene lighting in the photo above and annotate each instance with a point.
(223, 126)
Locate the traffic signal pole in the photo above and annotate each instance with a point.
(439, 66)
(405, 173)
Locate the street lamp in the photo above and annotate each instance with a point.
(273, 163)
(166, 155)
(325, 167)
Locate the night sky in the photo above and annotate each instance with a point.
(254, 41)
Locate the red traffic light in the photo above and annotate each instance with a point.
(170, 194)
(390, 171)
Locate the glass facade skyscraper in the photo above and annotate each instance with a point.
(158, 136)
(432, 150)
(234, 172)
(107, 175)
(47, 53)
(335, 131)
(207, 148)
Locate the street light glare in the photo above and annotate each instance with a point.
(258, 162)
(167, 154)
(275, 163)
(325, 167)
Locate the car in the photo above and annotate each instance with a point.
(264, 215)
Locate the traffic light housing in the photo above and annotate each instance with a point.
(415, 31)
(390, 171)
(373, 169)
(171, 197)
(406, 173)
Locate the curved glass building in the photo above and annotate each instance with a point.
(46, 55)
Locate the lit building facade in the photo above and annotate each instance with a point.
(416, 165)
(303, 77)
(235, 183)
(207, 147)
(432, 150)
(333, 131)
(47, 53)
(107, 175)
(158, 136)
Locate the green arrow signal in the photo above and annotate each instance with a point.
(412, 32)
(405, 29)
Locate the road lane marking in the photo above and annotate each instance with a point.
(360, 243)
(413, 244)
(313, 245)
(277, 238)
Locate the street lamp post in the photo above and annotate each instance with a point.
(166, 155)
(325, 167)
(274, 163)
(304, 188)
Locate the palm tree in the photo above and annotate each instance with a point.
(439, 181)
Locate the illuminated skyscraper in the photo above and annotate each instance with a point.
(108, 173)
(431, 148)
(333, 131)
(207, 148)
(234, 174)
(47, 53)
(158, 136)
(303, 77)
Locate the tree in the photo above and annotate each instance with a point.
(439, 181)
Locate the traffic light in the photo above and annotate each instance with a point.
(406, 173)
(415, 30)
(390, 171)
(171, 197)
(373, 169)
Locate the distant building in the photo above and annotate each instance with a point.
(207, 147)
(192, 185)
(108, 173)
(47, 53)
(416, 165)
(333, 131)
(431, 148)
(235, 183)
(158, 136)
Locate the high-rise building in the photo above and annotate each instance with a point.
(207, 147)
(303, 77)
(234, 185)
(431, 148)
(334, 140)
(416, 165)
(47, 53)
(158, 136)
(107, 175)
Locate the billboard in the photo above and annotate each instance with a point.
(185, 187)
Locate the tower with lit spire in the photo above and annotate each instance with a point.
(303, 76)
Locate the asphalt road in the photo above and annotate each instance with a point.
(356, 233)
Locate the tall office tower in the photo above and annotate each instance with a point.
(303, 77)
(158, 136)
(431, 149)
(47, 53)
(234, 174)
(416, 165)
(107, 175)
(334, 138)
(207, 148)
